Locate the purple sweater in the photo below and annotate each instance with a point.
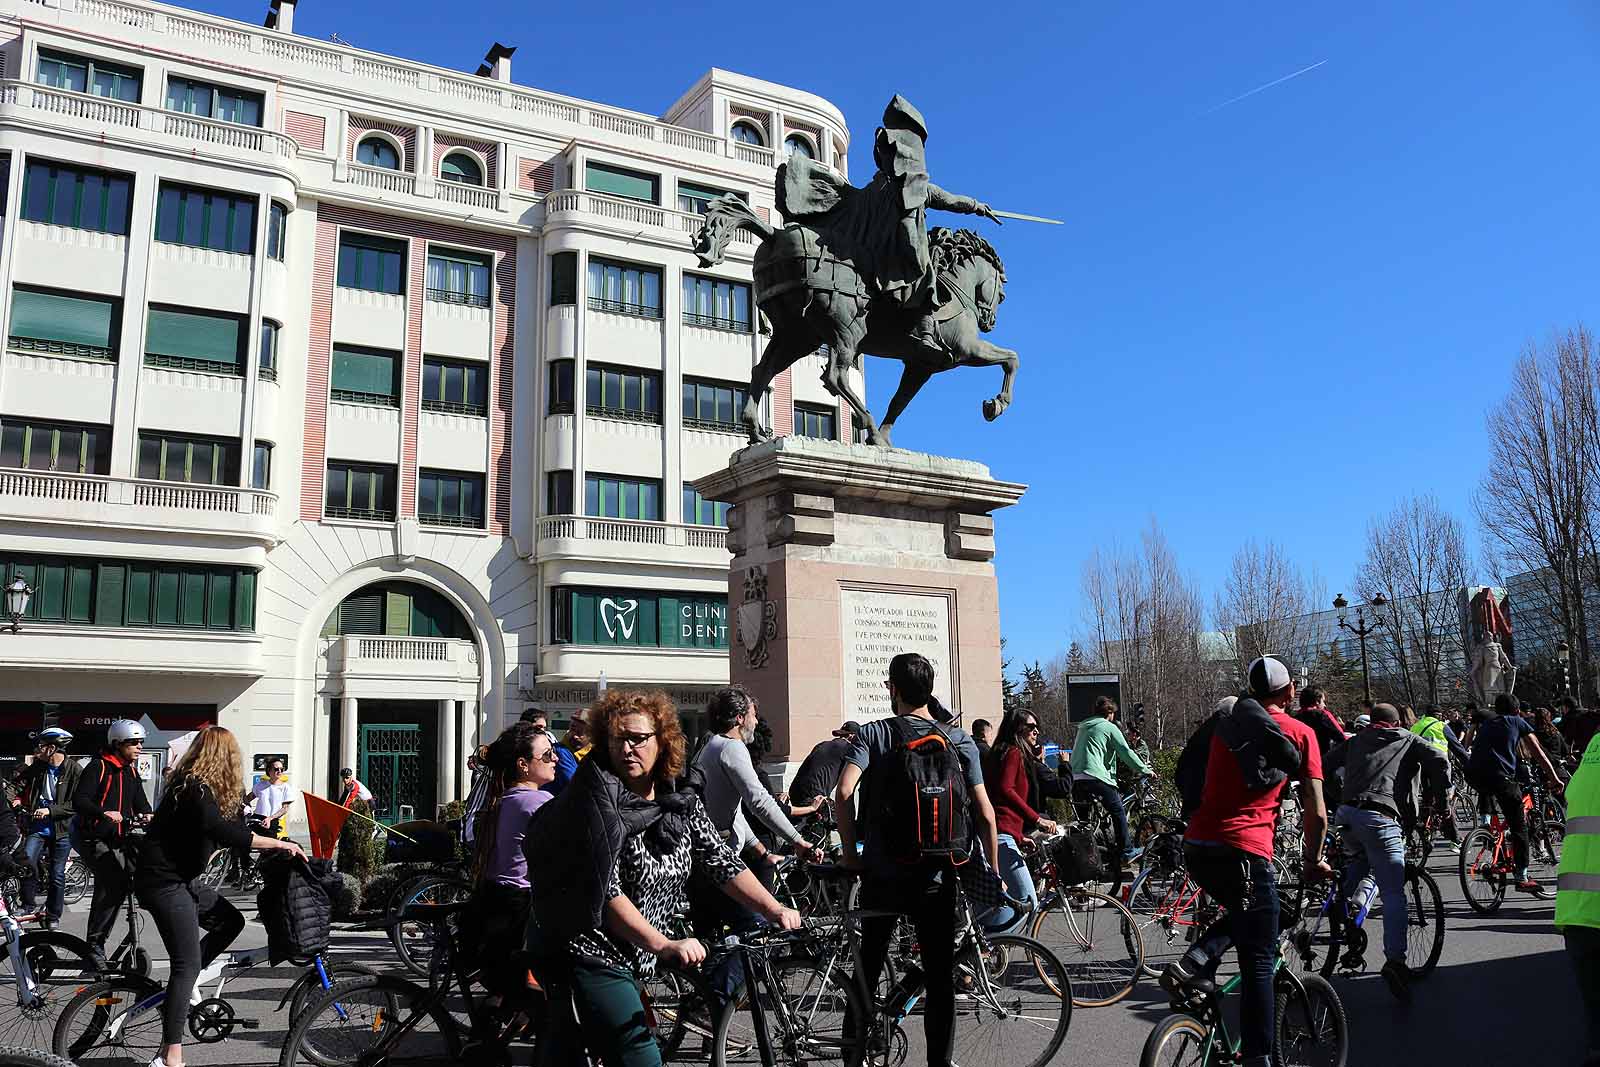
(508, 864)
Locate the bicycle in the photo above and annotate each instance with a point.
(227, 870)
(414, 941)
(45, 968)
(1487, 862)
(802, 1004)
(76, 877)
(1169, 907)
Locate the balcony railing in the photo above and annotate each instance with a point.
(390, 181)
(424, 648)
(204, 366)
(102, 500)
(624, 307)
(470, 195)
(629, 212)
(632, 532)
(60, 348)
(716, 322)
(419, 659)
(456, 296)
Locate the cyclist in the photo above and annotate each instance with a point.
(271, 799)
(1380, 766)
(110, 801)
(1315, 714)
(1499, 742)
(1228, 848)
(353, 789)
(188, 827)
(614, 852)
(1096, 751)
(48, 785)
(1016, 762)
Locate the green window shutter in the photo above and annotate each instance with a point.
(362, 614)
(583, 622)
(244, 614)
(193, 336)
(109, 593)
(51, 592)
(564, 278)
(166, 598)
(330, 625)
(670, 625)
(364, 371)
(80, 593)
(219, 611)
(649, 621)
(615, 181)
(397, 614)
(193, 612)
(140, 582)
(71, 320)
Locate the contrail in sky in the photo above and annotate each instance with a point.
(1263, 88)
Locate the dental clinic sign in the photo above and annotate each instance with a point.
(640, 618)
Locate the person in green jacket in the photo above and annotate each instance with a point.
(1096, 751)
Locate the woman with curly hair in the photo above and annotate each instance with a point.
(189, 826)
(629, 841)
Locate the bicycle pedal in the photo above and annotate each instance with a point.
(248, 1024)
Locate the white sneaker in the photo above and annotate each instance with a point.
(209, 974)
(158, 1061)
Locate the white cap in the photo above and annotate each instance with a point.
(1267, 676)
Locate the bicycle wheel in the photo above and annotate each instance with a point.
(1544, 844)
(115, 1022)
(29, 1057)
(1424, 922)
(1177, 1041)
(372, 1020)
(77, 881)
(681, 1014)
(810, 1018)
(1097, 940)
(1164, 908)
(306, 991)
(1312, 1028)
(58, 964)
(414, 941)
(1483, 879)
(216, 869)
(1010, 1008)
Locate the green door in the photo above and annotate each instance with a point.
(392, 765)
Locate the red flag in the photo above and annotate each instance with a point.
(324, 819)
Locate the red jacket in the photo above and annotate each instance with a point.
(1012, 815)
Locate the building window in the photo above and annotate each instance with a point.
(709, 405)
(558, 493)
(456, 387)
(135, 592)
(277, 223)
(84, 199)
(171, 457)
(214, 101)
(624, 288)
(396, 609)
(796, 145)
(716, 304)
(461, 168)
(583, 616)
(607, 496)
(261, 466)
(376, 151)
(746, 132)
(458, 277)
(561, 372)
(84, 74)
(563, 278)
(376, 264)
(816, 422)
(267, 369)
(448, 498)
(202, 218)
(360, 491)
(46, 321)
(366, 376)
(622, 393)
(699, 511)
(194, 340)
(67, 447)
(628, 184)
(695, 199)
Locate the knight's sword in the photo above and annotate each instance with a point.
(1026, 218)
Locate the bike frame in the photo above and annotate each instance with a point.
(1210, 1012)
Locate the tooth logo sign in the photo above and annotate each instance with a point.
(619, 615)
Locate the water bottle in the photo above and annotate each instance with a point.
(1361, 899)
(907, 987)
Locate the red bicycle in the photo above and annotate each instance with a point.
(1488, 864)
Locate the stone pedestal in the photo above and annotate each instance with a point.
(846, 555)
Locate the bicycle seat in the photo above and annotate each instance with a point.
(430, 913)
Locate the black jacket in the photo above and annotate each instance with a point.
(30, 788)
(1381, 763)
(106, 784)
(188, 827)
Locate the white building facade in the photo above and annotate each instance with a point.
(351, 402)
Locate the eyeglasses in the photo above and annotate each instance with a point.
(547, 756)
(631, 740)
(1030, 727)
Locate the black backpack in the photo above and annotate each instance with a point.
(921, 798)
(1190, 774)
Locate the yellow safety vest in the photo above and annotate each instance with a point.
(1431, 730)
(1578, 882)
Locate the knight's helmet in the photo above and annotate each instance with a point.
(902, 114)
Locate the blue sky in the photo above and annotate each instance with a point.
(1272, 319)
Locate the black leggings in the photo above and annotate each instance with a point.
(181, 912)
(1508, 795)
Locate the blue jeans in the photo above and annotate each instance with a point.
(1244, 885)
(1372, 842)
(1086, 788)
(60, 847)
(1019, 884)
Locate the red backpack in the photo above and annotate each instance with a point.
(921, 798)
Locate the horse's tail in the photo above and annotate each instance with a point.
(726, 214)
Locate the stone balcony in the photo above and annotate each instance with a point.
(576, 207)
(630, 540)
(48, 497)
(423, 668)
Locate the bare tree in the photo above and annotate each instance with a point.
(1417, 558)
(1537, 503)
(1263, 604)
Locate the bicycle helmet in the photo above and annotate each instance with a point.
(124, 730)
(53, 735)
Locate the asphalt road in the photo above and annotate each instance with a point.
(1503, 994)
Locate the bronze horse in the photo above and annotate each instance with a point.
(814, 296)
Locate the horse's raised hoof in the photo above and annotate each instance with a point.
(879, 437)
(994, 407)
(760, 434)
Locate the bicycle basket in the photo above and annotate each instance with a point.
(1075, 857)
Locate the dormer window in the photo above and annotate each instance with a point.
(377, 151)
(797, 145)
(461, 168)
(748, 133)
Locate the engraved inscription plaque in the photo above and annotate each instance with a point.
(878, 624)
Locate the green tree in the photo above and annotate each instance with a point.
(1339, 677)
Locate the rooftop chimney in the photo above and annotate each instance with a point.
(497, 63)
(280, 16)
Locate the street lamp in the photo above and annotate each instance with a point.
(1361, 629)
(18, 593)
(1564, 657)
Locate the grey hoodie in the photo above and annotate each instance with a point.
(1381, 762)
